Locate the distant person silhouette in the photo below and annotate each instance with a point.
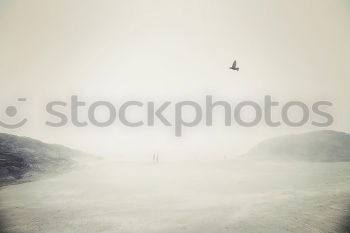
(155, 158)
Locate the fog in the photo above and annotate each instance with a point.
(158, 51)
(170, 51)
(221, 196)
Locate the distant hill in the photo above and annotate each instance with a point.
(318, 146)
(23, 159)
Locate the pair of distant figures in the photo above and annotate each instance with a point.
(156, 158)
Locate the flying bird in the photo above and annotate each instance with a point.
(234, 66)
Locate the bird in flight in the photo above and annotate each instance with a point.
(234, 66)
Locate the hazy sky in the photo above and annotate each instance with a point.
(171, 50)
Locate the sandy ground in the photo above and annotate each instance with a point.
(183, 197)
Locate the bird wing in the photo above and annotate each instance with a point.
(234, 64)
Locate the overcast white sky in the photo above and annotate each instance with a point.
(171, 50)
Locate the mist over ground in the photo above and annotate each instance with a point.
(159, 50)
(183, 197)
(194, 196)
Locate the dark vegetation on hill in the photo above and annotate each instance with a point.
(318, 146)
(23, 159)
